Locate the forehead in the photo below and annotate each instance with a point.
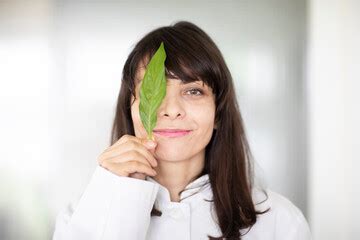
(140, 72)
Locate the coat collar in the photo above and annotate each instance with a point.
(191, 192)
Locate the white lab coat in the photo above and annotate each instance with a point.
(118, 208)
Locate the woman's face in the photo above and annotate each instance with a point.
(188, 106)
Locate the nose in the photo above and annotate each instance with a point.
(171, 107)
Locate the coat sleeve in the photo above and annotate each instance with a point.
(290, 221)
(300, 231)
(111, 207)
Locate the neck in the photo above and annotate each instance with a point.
(176, 175)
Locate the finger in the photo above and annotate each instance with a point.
(126, 138)
(135, 166)
(122, 139)
(127, 168)
(129, 156)
(138, 176)
(132, 146)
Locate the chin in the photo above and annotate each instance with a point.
(170, 154)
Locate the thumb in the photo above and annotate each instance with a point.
(149, 144)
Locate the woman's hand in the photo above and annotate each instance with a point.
(130, 157)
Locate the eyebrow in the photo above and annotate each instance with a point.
(198, 82)
(195, 82)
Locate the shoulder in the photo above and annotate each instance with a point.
(283, 217)
(277, 203)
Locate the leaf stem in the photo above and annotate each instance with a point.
(151, 136)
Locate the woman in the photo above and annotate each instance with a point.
(195, 180)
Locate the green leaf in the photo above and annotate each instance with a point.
(153, 90)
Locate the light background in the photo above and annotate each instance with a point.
(294, 67)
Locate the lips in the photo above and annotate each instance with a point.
(171, 132)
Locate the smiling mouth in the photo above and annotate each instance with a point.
(171, 133)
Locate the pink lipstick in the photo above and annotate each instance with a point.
(172, 133)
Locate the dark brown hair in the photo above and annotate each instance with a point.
(192, 55)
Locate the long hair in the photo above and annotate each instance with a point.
(192, 55)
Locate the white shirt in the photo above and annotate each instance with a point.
(115, 208)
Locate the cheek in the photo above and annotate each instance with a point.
(205, 116)
(207, 119)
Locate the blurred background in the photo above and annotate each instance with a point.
(295, 64)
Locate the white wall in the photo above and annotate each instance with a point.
(61, 65)
(334, 117)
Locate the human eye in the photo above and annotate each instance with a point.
(195, 92)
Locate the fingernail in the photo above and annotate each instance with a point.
(151, 143)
